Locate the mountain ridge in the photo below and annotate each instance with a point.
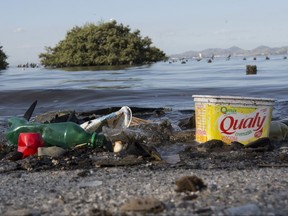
(234, 51)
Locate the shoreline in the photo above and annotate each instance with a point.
(107, 189)
(91, 181)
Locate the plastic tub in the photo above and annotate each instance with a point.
(229, 118)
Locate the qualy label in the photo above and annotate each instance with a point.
(236, 126)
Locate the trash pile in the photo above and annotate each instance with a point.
(46, 138)
(116, 137)
(58, 133)
(150, 139)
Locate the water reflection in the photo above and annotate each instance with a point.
(109, 87)
(96, 68)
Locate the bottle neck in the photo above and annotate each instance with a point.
(97, 140)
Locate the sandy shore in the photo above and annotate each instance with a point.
(257, 191)
(238, 181)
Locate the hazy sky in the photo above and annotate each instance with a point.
(175, 26)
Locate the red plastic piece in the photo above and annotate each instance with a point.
(28, 143)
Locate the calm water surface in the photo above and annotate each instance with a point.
(157, 85)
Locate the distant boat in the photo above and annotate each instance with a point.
(199, 57)
(183, 60)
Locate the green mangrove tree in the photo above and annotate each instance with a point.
(3, 58)
(107, 43)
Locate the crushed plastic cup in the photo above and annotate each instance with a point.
(120, 119)
(28, 143)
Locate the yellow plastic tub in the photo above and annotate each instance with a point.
(229, 118)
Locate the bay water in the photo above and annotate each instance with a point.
(163, 84)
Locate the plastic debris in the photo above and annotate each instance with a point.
(63, 134)
(278, 131)
(118, 146)
(171, 159)
(28, 143)
(118, 120)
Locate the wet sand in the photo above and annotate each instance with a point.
(254, 181)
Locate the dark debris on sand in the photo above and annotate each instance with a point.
(159, 137)
(157, 134)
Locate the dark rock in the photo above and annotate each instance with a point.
(187, 123)
(142, 205)
(7, 166)
(189, 183)
(190, 197)
(283, 157)
(183, 136)
(57, 116)
(211, 145)
(84, 173)
(204, 211)
(251, 69)
(236, 146)
(22, 212)
(14, 156)
(262, 144)
(99, 212)
(134, 148)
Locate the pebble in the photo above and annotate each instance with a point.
(148, 205)
(21, 212)
(247, 210)
(53, 151)
(95, 183)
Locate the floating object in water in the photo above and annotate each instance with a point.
(251, 69)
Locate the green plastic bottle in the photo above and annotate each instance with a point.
(63, 134)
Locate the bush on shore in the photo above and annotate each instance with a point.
(3, 58)
(108, 43)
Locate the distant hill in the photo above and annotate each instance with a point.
(234, 51)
